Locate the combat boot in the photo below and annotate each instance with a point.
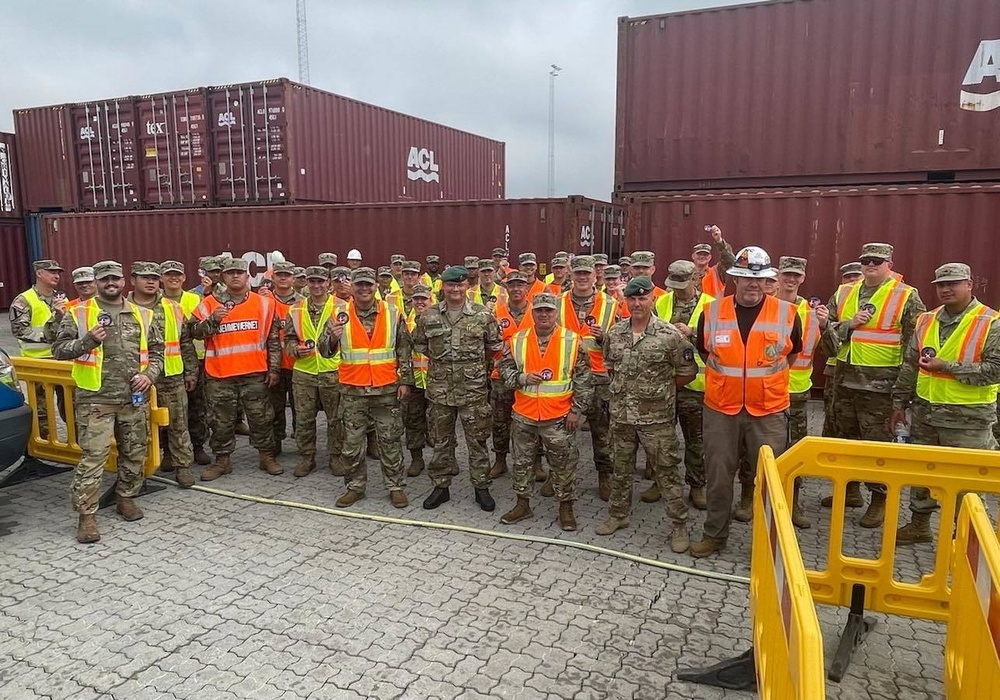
(854, 497)
(338, 467)
(521, 511)
(499, 465)
(485, 500)
(799, 518)
(201, 457)
(417, 465)
(567, 521)
(184, 477)
(216, 469)
(876, 511)
(679, 539)
(548, 488)
(744, 511)
(652, 494)
(127, 508)
(918, 530)
(698, 497)
(349, 498)
(540, 474)
(166, 464)
(86, 530)
(398, 499)
(439, 495)
(269, 464)
(604, 485)
(611, 525)
(305, 466)
(707, 547)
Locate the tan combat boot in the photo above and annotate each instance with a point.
(744, 511)
(201, 457)
(679, 539)
(567, 521)
(652, 494)
(611, 525)
(305, 466)
(499, 465)
(698, 498)
(269, 464)
(349, 498)
(604, 486)
(540, 474)
(218, 468)
(417, 464)
(184, 477)
(854, 497)
(707, 547)
(86, 530)
(521, 511)
(127, 508)
(799, 518)
(918, 530)
(876, 511)
(398, 499)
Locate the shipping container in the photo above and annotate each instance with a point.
(175, 152)
(281, 142)
(14, 263)
(809, 92)
(10, 193)
(449, 229)
(107, 152)
(46, 162)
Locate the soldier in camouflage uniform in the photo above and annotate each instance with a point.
(110, 373)
(283, 274)
(86, 288)
(343, 291)
(415, 407)
(211, 280)
(949, 377)
(647, 359)
(542, 419)
(197, 409)
(460, 340)
(701, 255)
(369, 402)
(300, 285)
(173, 382)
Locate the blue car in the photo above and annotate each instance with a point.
(15, 415)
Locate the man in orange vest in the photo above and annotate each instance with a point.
(376, 376)
(748, 342)
(548, 369)
(282, 393)
(712, 278)
(242, 362)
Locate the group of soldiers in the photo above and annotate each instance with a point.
(398, 355)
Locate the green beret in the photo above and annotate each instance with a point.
(638, 287)
(455, 273)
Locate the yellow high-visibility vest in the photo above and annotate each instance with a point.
(87, 368)
(40, 313)
(878, 343)
(664, 309)
(800, 375)
(965, 344)
(305, 330)
(173, 320)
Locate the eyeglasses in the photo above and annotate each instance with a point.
(874, 262)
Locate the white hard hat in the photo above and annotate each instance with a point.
(752, 261)
(354, 254)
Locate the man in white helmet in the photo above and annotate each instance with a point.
(749, 341)
(353, 258)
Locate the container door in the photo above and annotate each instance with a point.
(174, 149)
(106, 147)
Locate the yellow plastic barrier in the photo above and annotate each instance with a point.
(971, 660)
(788, 645)
(53, 375)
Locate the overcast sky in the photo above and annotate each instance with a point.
(477, 65)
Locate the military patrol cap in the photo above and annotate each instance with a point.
(516, 276)
(471, 261)
(876, 250)
(487, 264)
(411, 266)
(421, 290)
(527, 259)
(171, 266)
(384, 271)
(143, 267)
(299, 272)
(702, 248)
(679, 274)
(789, 263)
(624, 260)
(327, 259)
(612, 271)
(851, 268)
(363, 274)
(432, 259)
(499, 252)
(560, 261)
(455, 273)
(48, 265)
(210, 263)
(545, 300)
(638, 286)
(397, 258)
(107, 268)
(235, 265)
(83, 274)
(287, 267)
(600, 259)
(583, 262)
(340, 274)
(317, 272)
(952, 272)
(643, 258)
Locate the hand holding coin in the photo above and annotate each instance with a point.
(222, 311)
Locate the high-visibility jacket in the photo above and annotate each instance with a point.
(281, 314)
(800, 374)
(173, 322)
(40, 313)
(965, 344)
(305, 330)
(602, 314)
(189, 302)
(87, 368)
(665, 310)
(420, 362)
(475, 295)
(755, 375)
(370, 361)
(712, 284)
(508, 327)
(240, 345)
(537, 287)
(877, 343)
(396, 298)
(553, 398)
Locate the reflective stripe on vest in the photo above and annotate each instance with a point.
(40, 313)
(370, 361)
(800, 377)
(420, 362)
(173, 321)
(508, 327)
(240, 346)
(965, 344)
(87, 368)
(664, 309)
(553, 398)
(755, 375)
(305, 330)
(603, 315)
(878, 343)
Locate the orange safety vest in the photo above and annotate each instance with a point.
(537, 287)
(287, 361)
(712, 284)
(603, 315)
(240, 345)
(508, 327)
(370, 361)
(553, 398)
(755, 375)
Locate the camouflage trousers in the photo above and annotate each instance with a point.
(170, 393)
(311, 394)
(689, 409)
(197, 412)
(798, 417)
(226, 396)
(415, 419)
(502, 404)
(476, 424)
(663, 450)
(863, 415)
(599, 420)
(560, 449)
(42, 409)
(360, 413)
(829, 400)
(97, 425)
(281, 396)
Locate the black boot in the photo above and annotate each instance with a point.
(485, 500)
(439, 495)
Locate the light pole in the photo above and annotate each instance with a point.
(552, 128)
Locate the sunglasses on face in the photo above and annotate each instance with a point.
(874, 262)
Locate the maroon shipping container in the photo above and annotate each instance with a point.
(175, 152)
(449, 229)
(797, 92)
(107, 153)
(47, 159)
(13, 261)
(10, 193)
(281, 142)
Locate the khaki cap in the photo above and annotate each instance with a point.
(421, 290)
(51, 265)
(149, 269)
(287, 267)
(107, 268)
(385, 271)
(299, 272)
(516, 276)
(471, 262)
(327, 259)
(544, 300)
(851, 268)
(83, 274)
(701, 248)
(396, 258)
(363, 274)
(600, 259)
(317, 272)
(171, 266)
(679, 274)
(235, 265)
(210, 263)
(527, 259)
(789, 263)
(952, 272)
(583, 262)
(411, 266)
(876, 250)
(643, 258)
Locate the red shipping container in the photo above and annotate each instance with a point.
(809, 92)
(449, 229)
(106, 150)
(10, 194)
(14, 264)
(47, 159)
(175, 152)
(281, 142)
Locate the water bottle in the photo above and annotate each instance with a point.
(902, 433)
(138, 398)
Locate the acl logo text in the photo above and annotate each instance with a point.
(985, 65)
(420, 165)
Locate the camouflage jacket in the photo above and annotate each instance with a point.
(121, 353)
(643, 391)
(201, 330)
(188, 354)
(726, 260)
(460, 355)
(20, 320)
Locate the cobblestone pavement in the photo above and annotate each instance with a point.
(211, 597)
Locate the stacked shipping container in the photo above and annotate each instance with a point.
(13, 255)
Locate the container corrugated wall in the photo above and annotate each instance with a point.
(10, 191)
(809, 92)
(104, 136)
(47, 159)
(13, 261)
(175, 149)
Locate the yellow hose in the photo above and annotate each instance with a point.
(656, 563)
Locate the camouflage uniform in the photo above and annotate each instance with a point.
(108, 412)
(726, 260)
(197, 409)
(282, 394)
(643, 409)
(460, 357)
(20, 327)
